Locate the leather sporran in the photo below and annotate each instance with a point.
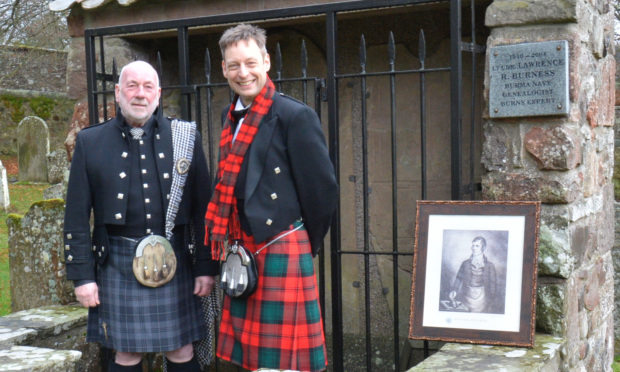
(239, 274)
(154, 263)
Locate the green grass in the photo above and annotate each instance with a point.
(615, 366)
(22, 196)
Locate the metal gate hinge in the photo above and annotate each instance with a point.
(469, 47)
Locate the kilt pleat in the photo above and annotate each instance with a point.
(280, 325)
(139, 318)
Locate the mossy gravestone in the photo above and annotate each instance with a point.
(36, 257)
(4, 189)
(33, 139)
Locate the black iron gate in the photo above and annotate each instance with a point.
(197, 102)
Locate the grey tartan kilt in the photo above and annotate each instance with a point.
(139, 318)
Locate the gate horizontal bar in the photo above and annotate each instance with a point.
(385, 73)
(307, 10)
(377, 253)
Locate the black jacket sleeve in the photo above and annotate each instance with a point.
(200, 199)
(313, 173)
(78, 257)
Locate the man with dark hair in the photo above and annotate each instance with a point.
(126, 172)
(476, 284)
(275, 195)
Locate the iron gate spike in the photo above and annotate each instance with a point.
(208, 66)
(363, 53)
(114, 81)
(304, 58)
(391, 51)
(422, 49)
(278, 61)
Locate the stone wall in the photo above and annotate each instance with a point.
(29, 68)
(576, 281)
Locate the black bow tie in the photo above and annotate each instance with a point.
(239, 114)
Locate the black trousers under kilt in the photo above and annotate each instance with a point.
(139, 318)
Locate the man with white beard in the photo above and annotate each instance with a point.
(136, 274)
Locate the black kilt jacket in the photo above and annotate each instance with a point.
(99, 181)
(289, 173)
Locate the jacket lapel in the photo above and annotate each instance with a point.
(258, 152)
(163, 146)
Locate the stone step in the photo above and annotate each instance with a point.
(35, 359)
(43, 325)
(543, 357)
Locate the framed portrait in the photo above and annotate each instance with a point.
(474, 272)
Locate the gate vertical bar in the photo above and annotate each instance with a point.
(396, 315)
(91, 79)
(456, 97)
(366, 206)
(104, 84)
(183, 45)
(472, 128)
(209, 119)
(334, 143)
(318, 84)
(422, 58)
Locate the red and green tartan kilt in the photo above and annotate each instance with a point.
(279, 326)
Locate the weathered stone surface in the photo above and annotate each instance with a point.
(36, 257)
(34, 145)
(550, 308)
(5, 199)
(555, 148)
(502, 186)
(606, 96)
(76, 69)
(592, 296)
(554, 253)
(494, 152)
(27, 358)
(47, 321)
(524, 12)
(615, 253)
(53, 192)
(544, 357)
(57, 164)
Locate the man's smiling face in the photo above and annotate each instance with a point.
(138, 93)
(246, 67)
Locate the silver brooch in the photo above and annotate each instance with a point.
(182, 166)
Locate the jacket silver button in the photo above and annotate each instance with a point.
(269, 222)
(143, 171)
(161, 155)
(277, 170)
(123, 135)
(67, 247)
(166, 175)
(274, 196)
(157, 136)
(143, 157)
(70, 258)
(146, 185)
(148, 216)
(168, 196)
(69, 236)
(122, 175)
(102, 249)
(118, 216)
(147, 200)
(141, 142)
(124, 154)
(121, 196)
(99, 254)
(94, 248)
(148, 231)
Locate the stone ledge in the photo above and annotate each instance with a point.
(26, 358)
(544, 357)
(24, 327)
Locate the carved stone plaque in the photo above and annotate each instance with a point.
(529, 79)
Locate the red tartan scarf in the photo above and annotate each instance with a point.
(231, 156)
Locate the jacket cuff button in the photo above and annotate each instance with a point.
(277, 170)
(67, 247)
(274, 196)
(70, 258)
(69, 236)
(118, 216)
(269, 222)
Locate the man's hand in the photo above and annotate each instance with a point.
(88, 294)
(204, 285)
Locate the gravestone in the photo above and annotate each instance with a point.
(53, 192)
(36, 257)
(4, 189)
(57, 164)
(33, 138)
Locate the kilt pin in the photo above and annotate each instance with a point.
(280, 325)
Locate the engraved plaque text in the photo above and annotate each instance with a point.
(529, 79)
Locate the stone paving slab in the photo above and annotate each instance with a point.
(34, 359)
(23, 326)
(545, 356)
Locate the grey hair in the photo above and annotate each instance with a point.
(145, 64)
(244, 32)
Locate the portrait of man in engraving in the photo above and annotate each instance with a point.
(474, 271)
